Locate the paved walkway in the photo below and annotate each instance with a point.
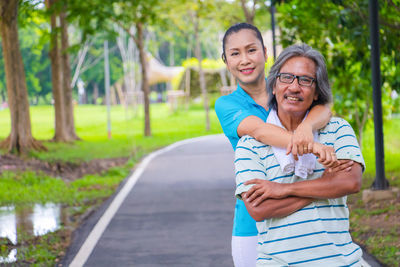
(179, 213)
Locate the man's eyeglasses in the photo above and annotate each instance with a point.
(289, 78)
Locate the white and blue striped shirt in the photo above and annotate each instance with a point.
(316, 235)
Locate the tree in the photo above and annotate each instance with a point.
(66, 77)
(61, 73)
(125, 13)
(341, 34)
(249, 13)
(139, 13)
(193, 14)
(201, 72)
(20, 139)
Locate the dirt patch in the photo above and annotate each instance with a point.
(66, 170)
(376, 226)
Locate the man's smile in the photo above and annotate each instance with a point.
(293, 98)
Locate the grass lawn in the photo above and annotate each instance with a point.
(80, 196)
(376, 225)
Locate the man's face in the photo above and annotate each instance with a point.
(293, 98)
(245, 57)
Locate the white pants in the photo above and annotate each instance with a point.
(244, 251)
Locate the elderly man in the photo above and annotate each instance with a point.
(300, 209)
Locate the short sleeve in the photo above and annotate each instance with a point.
(346, 145)
(230, 114)
(247, 165)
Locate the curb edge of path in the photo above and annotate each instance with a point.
(91, 240)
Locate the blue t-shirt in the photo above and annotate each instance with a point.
(231, 110)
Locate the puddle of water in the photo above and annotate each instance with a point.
(35, 220)
(12, 257)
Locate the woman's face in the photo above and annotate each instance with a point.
(245, 57)
(294, 98)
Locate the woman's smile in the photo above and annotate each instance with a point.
(247, 71)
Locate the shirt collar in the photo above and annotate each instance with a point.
(246, 96)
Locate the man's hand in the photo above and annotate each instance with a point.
(343, 165)
(262, 190)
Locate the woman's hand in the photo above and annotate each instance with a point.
(302, 141)
(326, 155)
(263, 189)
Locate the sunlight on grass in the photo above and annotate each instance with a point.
(126, 127)
(392, 148)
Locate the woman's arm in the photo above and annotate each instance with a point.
(316, 119)
(273, 135)
(265, 133)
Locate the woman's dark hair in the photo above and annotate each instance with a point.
(323, 88)
(236, 28)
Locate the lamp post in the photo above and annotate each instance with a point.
(273, 28)
(380, 182)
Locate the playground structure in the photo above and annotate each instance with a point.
(218, 81)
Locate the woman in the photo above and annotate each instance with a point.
(245, 111)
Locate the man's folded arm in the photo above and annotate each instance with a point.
(275, 208)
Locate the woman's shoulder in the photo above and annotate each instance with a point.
(229, 101)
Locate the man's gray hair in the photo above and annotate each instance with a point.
(323, 88)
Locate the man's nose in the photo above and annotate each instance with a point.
(295, 86)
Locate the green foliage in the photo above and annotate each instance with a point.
(342, 35)
(92, 73)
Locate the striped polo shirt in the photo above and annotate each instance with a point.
(316, 235)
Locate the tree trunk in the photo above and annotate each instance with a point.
(95, 93)
(66, 79)
(201, 73)
(20, 139)
(145, 83)
(60, 132)
(247, 13)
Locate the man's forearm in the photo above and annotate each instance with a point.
(275, 208)
(329, 185)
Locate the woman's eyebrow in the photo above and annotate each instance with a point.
(236, 48)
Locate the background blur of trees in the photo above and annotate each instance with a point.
(339, 29)
(341, 33)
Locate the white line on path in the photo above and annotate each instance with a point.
(94, 236)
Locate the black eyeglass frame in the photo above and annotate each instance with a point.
(298, 79)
